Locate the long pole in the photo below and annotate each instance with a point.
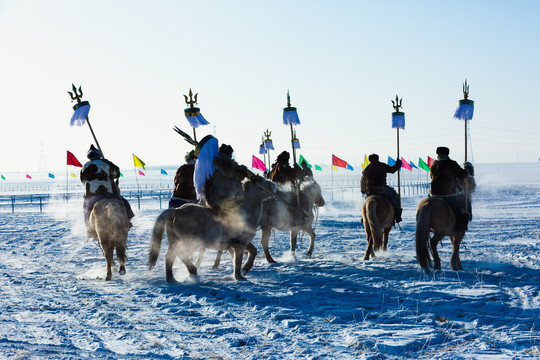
(292, 144)
(93, 135)
(399, 171)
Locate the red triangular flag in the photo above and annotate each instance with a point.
(429, 161)
(338, 162)
(72, 160)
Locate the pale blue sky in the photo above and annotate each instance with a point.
(343, 61)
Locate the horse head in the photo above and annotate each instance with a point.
(313, 190)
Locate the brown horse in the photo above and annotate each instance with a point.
(193, 226)
(435, 215)
(109, 220)
(378, 215)
(277, 215)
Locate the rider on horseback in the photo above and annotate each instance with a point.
(282, 173)
(445, 175)
(218, 178)
(100, 178)
(373, 182)
(184, 190)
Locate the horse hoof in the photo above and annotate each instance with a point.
(108, 278)
(240, 278)
(122, 270)
(308, 254)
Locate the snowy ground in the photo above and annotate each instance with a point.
(54, 302)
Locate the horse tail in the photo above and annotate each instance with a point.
(157, 236)
(374, 224)
(423, 218)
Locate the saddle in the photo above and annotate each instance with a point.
(463, 215)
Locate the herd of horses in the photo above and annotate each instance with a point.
(196, 226)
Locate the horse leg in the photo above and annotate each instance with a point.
(121, 256)
(294, 236)
(202, 251)
(312, 236)
(218, 260)
(252, 251)
(385, 238)
(192, 269)
(169, 261)
(455, 262)
(369, 250)
(433, 243)
(237, 253)
(265, 238)
(108, 252)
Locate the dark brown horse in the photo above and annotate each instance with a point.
(109, 220)
(193, 226)
(378, 216)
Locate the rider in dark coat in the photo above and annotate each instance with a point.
(373, 182)
(100, 179)
(282, 173)
(306, 171)
(223, 190)
(445, 176)
(184, 190)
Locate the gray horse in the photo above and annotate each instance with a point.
(277, 215)
(193, 226)
(109, 219)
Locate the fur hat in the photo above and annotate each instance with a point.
(191, 157)
(93, 153)
(226, 150)
(284, 157)
(442, 150)
(373, 157)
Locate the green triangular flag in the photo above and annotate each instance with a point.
(2, 177)
(422, 164)
(121, 175)
(301, 159)
(317, 167)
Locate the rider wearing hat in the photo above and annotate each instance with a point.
(184, 190)
(373, 182)
(445, 175)
(100, 179)
(282, 172)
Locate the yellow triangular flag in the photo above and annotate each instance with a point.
(366, 162)
(334, 167)
(73, 175)
(138, 162)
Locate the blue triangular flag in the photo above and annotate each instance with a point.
(51, 176)
(391, 161)
(163, 172)
(350, 167)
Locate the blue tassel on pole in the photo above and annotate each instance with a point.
(81, 112)
(465, 110)
(262, 150)
(398, 120)
(290, 116)
(268, 144)
(204, 167)
(296, 143)
(196, 121)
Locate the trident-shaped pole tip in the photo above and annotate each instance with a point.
(465, 90)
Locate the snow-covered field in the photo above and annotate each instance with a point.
(54, 302)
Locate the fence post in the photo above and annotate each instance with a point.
(13, 204)
(40, 205)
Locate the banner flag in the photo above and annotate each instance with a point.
(72, 160)
(163, 172)
(28, 176)
(257, 163)
(138, 162)
(405, 164)
(302, 159)
(429, 161)
(412, 165)
(141, 173)
(73, 175)
(350, 167)
(366, 161)
(317, 167)
(2, 177)
(391, 161)
(422, 164)
(338, 162)
(51, 176)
